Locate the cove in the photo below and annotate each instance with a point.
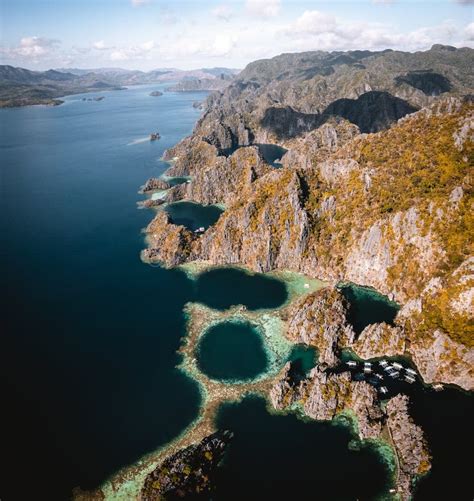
(303, 358)
(221, 288)
(232, 351)
(367, 306)
(282, 457)
(272, 153)
(193, 215)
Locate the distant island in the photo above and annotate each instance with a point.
(156, 93)
(23, 87)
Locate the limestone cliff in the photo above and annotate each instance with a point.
(391, 210)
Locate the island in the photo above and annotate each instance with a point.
(364, 220)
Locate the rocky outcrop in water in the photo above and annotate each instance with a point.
(320, 320)
(155, 183)
(409, 443)
(168, 243)
(189, 473)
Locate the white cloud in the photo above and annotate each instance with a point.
(36, 46)
(139, 3)
(119, 55)
(100, 45)
(136, 52)
(313, 22)
(223, 12)
(31, 49)
(469, 32)
(263, 8)
(315, 30)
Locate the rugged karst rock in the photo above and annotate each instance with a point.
(389, 210)
(409, 443)
(320, 320)
(189, 473)
(155, 184)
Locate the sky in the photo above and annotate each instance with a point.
(151, 34)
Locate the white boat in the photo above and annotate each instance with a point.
(409, 379)
(367, 370)
(351, 363)
(411, 371)
(383, 389)
(383, 363)
(367, 364)
(379, 376)
(394, 373)
(398, 366)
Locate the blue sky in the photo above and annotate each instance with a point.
(148, 34)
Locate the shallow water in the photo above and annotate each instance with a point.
(303, 358)
(232, 351)
(193, 215)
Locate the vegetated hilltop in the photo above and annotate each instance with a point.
(21, 87)
(390, 207)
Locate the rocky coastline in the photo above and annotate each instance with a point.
(375, 189)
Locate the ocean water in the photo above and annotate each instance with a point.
(282, 457)
(88, 348)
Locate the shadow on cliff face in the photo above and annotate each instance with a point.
(432, 84)
(371, 112)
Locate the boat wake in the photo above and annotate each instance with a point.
(138, 141)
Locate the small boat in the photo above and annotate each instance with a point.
(409, 379)
(383, 389)
(398, 366)
(367, 370)
(379, 376)
(383, 363)
(351, 363)
(411, 371)
(388, 368)
(201, 229)
(394, 374)
(367, 364)
(154, 136)
(438, 387)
